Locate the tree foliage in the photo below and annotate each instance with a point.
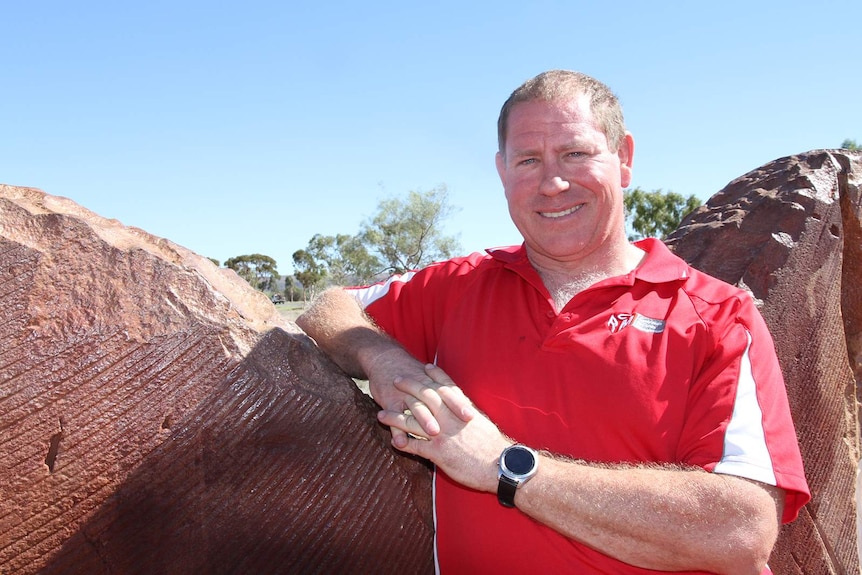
(292, 290)
(405, 233)
(257, 269)
(402, 235)
(307, 270)
(849, 144)
(342, 259)
(656, 213)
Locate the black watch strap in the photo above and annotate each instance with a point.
(506, 488)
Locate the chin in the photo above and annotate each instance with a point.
(562, 253)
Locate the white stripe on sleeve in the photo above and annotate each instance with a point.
(745, 452)
(369, 294)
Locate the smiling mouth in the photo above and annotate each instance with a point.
(560, 214)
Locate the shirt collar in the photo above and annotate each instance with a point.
(659, 266)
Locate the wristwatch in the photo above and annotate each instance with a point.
(518, 463)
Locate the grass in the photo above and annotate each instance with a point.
(291, 309)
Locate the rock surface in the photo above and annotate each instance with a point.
(791, 232)
(158, 416)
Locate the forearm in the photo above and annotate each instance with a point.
(659, 518)
(343, 331)
(653, 516)
(349, 337)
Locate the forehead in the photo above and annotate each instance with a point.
(550, 119)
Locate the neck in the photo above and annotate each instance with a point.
(564, 280)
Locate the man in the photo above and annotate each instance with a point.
(645, 398)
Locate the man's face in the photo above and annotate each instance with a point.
(563, 183)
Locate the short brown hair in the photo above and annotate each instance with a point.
(564, 84)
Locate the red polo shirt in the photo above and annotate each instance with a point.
(664, 364)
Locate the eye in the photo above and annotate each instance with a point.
(527, 161)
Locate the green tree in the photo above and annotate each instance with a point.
(292, 290)
(342, 260)
(308, 272)
(655, 213)
(849, 144)
(405, 233)
(257, 269)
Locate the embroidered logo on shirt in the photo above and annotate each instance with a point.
(619, 321)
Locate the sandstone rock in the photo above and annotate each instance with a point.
(158, 416)
(791, 232)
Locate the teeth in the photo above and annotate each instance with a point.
(560, 214)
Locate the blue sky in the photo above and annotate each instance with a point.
(237, 128)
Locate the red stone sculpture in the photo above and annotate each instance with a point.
(791, 232)
(157, 416)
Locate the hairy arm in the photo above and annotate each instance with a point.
(658, 517)
(348, 336)
(343, 331)
(664, 518)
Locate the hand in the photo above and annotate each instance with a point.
(467, 445)
(393, 375)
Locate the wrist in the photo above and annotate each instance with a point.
(381, 364)
(382, 352)
(517, 465)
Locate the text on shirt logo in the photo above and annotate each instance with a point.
(619, 321)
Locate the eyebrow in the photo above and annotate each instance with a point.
(574, 143)
(521, 152)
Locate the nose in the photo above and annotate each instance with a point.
(552, 184)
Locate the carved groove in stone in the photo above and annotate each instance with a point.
(157, 415)
(791, 232)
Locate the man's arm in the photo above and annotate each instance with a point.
(657, 517)
(347, 335)
(661, 517)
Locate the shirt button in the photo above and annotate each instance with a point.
(551, 314)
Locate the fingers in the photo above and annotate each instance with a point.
(406, 405)
(451, 394)
(403, 427)
(419, 402)
(425, 402)
(399, 437)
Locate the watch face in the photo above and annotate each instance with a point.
(519, 461)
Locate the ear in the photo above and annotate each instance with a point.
(626, 154)
(501, 167)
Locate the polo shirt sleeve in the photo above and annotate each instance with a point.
(738, 421)
(412, 307)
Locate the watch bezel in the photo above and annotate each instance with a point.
(519, 478)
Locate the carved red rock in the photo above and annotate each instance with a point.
(158, 416)
(791, 232)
